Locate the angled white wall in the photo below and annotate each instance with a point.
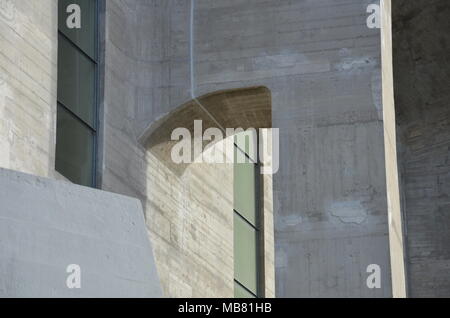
(47, 225)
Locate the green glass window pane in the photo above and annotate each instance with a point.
(244, 191)
(247, 143)
(76, 81)
(240, 292)
(84, 37)
(74, 149)
(245, 258)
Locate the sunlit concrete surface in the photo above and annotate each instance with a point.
(47, 225)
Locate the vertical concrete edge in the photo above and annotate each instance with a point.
(396, 245)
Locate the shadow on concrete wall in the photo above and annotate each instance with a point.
(235, 108)
(421, 42)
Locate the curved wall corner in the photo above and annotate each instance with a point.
(47, 225)
(246, 108)
(189, 206)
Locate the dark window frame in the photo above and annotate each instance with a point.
(259, 224)
(96, 61)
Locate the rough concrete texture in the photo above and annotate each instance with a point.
(189, 217)
(322, 66)
(211, 197)
(28, 71)
(48, 225)
(238, 109)
(422, 75)
(189, 213)
(146, 76)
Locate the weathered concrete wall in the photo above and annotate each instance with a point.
(191, 209)
(146, 76)
(191, 222)
(28, 71)
(146, 55)
(422, 75)
(322, 65)
(189, 215)
(48, 225)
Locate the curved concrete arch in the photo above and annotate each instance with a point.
(233, 108)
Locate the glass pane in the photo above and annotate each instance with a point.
(74, 149)
(76, 81)
(84, 37)
(247, 142)
(244, 191)
(245, 270)
(240, 292)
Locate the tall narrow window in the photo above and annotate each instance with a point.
(76, 131)
(247, 223)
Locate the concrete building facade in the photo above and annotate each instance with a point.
(362, 175)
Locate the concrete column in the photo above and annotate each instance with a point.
(396, 244)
